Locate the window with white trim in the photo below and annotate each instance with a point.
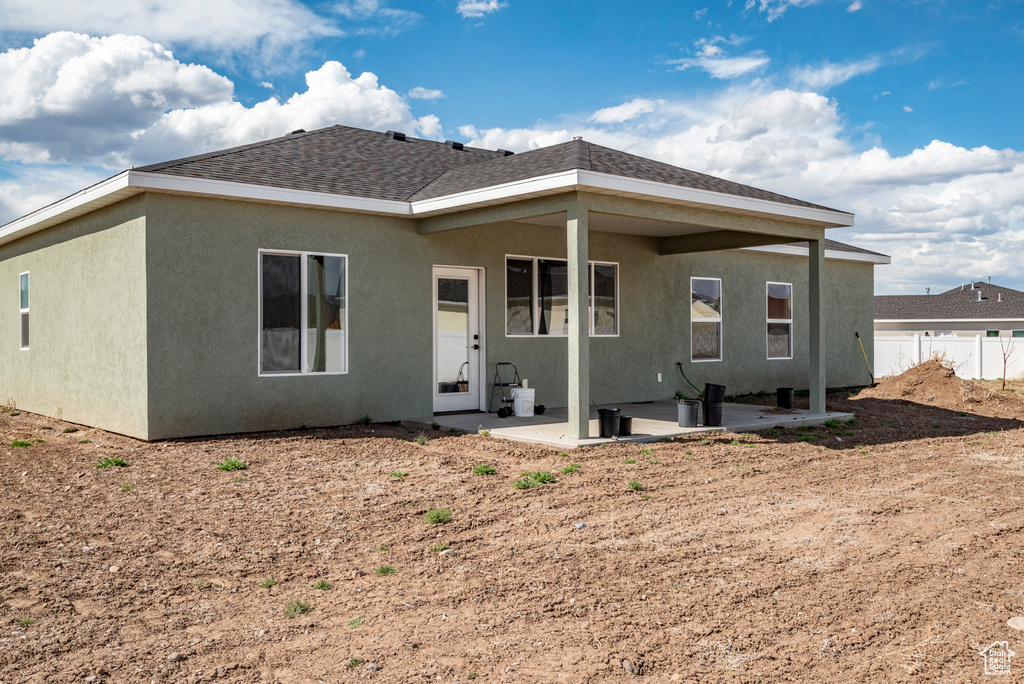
(537, 297)
(705, 319)
(23, 310)
(779, 307)
(303, 326)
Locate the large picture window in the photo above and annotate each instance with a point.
(23, 310)
(780, 320)
(705, 319)
(303, 313)
(537, 297)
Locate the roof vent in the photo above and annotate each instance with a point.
(505, 153)
(979, 296)
(454, 145)
(577, 137)
(972, 284)
(1000, 296)
(297, 131)
(989, 279)
(396, 135)
(961, 286)
(927, 290)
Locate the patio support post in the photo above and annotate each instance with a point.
(579, 324)
(816, 327)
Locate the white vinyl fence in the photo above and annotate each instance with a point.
(972, 357)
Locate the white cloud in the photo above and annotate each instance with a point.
(699, 14)
(907, 109)
(625, 111)
(71, 97)
(711, 57)
(776, 8)
(478, 8)
(266, 84)
(854, 6)
(420, 93)
(223, 25)
(384, 20)
(829, 75)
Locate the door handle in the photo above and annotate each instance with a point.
(475, 346)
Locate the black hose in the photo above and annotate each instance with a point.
(700, 393)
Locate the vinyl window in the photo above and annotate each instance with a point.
(537, 297)
(779, 306)
(303, 326)
(23, 310)
(705, 319)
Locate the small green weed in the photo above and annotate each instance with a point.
(772, 433)
(296, 608)
(85, 441)
(853, 422)
(540, 477)
(366, 420)
(69, 430)
(735, 442)
(323, 585)
(267, 583)
(523, 483)
(20, 443)
(654, 463)
(384, 570)
(39, 441)
(862, 449)
(437, 516)
(45, 427)
(434, 425)
(355, 623)
(399, 474)
(354, 662)
(422, 439)
(738, 466)
(438, 547)
(634, 485)
(807, 428)
(24, 620)
(232, 463)
(646, 451)
(472, 675)
(950, 470)
(15, 413)
(483, 433)
(704, 440)
(834, 424)
(127, 486)
(963, 414)
(383, 547)
(630, 461)
(570, 469)
(112, 463)
(808, 438)
(484, 469)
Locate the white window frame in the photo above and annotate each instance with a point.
(303, 315)
(778, 320)
(721, 329)
(535, 287)
(24, 311)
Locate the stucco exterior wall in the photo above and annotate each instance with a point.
(87, 357)
(202, 303)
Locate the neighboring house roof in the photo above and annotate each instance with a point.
(953, 305)
(354, 169)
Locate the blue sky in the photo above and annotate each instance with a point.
(906, 112)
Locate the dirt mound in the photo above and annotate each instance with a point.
(935, 383)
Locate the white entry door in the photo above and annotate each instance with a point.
(458, 343)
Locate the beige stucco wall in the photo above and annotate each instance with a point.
(87, 356)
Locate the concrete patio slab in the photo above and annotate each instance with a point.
(652, 422)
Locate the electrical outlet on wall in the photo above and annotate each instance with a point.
(659, 377)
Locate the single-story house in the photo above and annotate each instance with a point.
(977, 308)
(323, 276)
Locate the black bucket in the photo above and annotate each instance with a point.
(714, 394)
(784, 397)
(712, 413)
(625, 426)
(608, 419)
(689, 413)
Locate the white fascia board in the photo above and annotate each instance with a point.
(579, 179)
(949, 320)
(834, 254)
(709, 198)
(161, 182)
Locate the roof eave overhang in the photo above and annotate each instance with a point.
(131, 182)
(835, 254)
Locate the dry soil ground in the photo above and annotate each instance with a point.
(886, 550)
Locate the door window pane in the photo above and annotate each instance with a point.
(452, 335)
(706, 340)
(779, 306)
(780, 302)
(281, 312)
(325, 313)
(780, 340)
(604, 308)
(519, 296)
(705, 319)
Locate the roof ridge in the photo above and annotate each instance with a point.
(157, 166)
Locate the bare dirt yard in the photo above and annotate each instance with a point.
(885, 550)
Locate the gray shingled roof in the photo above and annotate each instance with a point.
(955, 304)
(357, 162)
(841, 247)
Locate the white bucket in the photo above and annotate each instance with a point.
(522, 401)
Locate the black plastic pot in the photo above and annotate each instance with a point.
(714, 394)
(712, 413)
(784, 397)
(625, 426)
(689, 413)
(608, 419)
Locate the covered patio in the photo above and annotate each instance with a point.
(652, 422)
